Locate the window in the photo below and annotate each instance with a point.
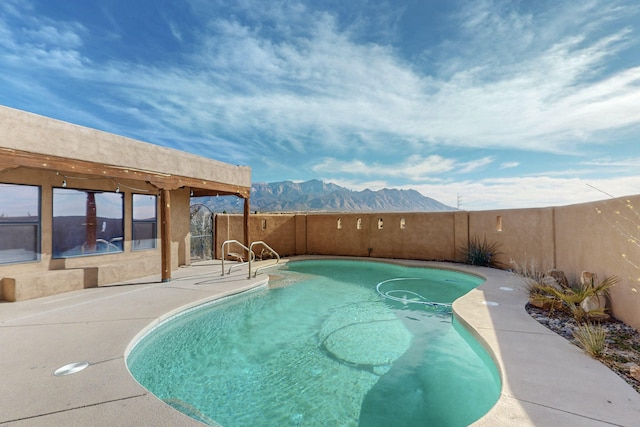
(403, 224)
(359, 224)
(19, 223)
(87, 222)
(499, 223)
(339, 223)
(145, 221)
(380, 224)
(263, 224)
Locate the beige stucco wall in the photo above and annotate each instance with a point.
(604, 238)
(96, 269)
(324, 238)
(524, 235)
(274, 228)
(601, 237)
(37, 134)
(180, 228)
(41, 151)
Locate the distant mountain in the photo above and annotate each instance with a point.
(318, 196)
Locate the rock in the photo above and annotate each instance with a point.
(593, 303)
(235, 257)
(545, 304)
(634, 371)
(588, 278)
(551, 281)
(559, 277)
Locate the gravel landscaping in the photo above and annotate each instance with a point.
(622, 352)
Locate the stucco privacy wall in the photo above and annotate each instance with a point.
(523, 235)
(604, 238)
(391, 235)
(601, 237)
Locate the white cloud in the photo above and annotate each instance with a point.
(175, 31)
(526, 192)
(509, 165)
(414, 167)
(475, 165)
(633, 162)
(320, 84)
(302, 86)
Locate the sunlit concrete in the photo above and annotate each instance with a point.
(546, 380)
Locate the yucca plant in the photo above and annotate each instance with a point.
(481, 253)
(592, 338)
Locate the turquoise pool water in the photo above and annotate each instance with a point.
(331, 343)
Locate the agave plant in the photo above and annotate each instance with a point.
(480, 252)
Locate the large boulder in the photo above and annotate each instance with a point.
(595, 302)
(556, 278)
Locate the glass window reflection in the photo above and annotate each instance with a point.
(19, 223)
(87, 222)
(144, 221)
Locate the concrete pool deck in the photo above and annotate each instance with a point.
(546, 380)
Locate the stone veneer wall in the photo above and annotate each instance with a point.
(602, 237)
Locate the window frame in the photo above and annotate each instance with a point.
(135, 221)
(35, 223)
(120, 242)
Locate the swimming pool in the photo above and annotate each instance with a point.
(332, 342)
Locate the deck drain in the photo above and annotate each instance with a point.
(71, 368)
(506, 288)
(490, 303)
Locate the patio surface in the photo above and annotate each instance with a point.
(546, 380)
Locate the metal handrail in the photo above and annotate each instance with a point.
(260, 242)
(249, 252)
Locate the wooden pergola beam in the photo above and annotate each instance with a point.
(69, 168)
(10, 158)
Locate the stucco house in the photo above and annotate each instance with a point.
(81, 207)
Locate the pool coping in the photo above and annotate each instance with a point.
(545, 379)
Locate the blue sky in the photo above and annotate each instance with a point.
(497, 104)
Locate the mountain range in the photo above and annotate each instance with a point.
(318, 196)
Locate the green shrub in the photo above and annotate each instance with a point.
(480, 252)
(571, 298)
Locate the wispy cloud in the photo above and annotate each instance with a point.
(526, 192)
(321, 84)
(509, 165)
(414, 168)
(294, 81)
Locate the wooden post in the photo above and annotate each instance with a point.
(91, 221)
(165, 234)
(247, 241)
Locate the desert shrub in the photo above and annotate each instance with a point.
(592, 338)
(572, 298)
(480, 252)
(528, 270)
